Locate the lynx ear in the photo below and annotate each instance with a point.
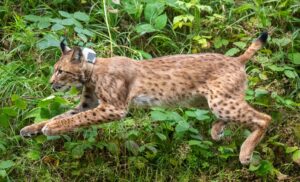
(64, 48)
(77, 55)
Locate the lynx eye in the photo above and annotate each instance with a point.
(59, 71)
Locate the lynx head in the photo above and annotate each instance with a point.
(68, 70)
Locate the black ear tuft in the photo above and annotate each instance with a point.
(64, 48)
(263, 37)
(63, 45)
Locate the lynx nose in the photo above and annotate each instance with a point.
(56, 86)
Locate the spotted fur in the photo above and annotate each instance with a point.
(112, 85)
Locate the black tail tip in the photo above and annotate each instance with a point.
(263, 37)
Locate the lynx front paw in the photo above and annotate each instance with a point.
(29, 131)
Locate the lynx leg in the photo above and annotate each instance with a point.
(260, 122)
(101, 114)
(239, 111)
(88, 101)
(249, 144)
(34, 129)
(217, 130)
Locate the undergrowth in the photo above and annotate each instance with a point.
(154, 144)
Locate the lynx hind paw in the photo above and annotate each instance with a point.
(245, 159)
(217, 135)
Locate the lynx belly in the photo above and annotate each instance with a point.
(145, 100)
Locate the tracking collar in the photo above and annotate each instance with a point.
(89, 55)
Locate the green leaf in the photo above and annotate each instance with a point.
(87, 32)
(83, 31)
(4, 120)
(49, 138)
(144, 54)
(218, 42)
(113, 148)
(232, 52)
(78, 151)
(240, 45)
(294, 57)
(81, 16)
(276, 68)
(260, 92)
(199, 144)
(265, 167)
(19, 102)
(296, 157)
(144, 28)
(45, 113)
(9, 111)
(290, 74)
(33, 155)
(50, 100)
(32, 18)
(190, 114)
(3, 173)
(6, 164)
(132, 146)
(83, 37)
(195, 142)
(60, 100)
(174, 116)
(282, 41)
(161, 21)
(132, 8)
(14, 97)
(40, 139)
(44, 24)
(193, 130)
(161, 136)
(158, 116)
(201, 114)
(297, 131)
(244, 7)
(34, 113)
(205, 8)
(65, 14)
(182, 126)
(291, 149)
(68, 21)
(263, 76)
(151, 148)
(226, 152)
(57, 27)
(78, 29)
(77, 23)
(153, 10)
(49, 40)
(2, 147)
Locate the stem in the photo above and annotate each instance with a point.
(108, 28)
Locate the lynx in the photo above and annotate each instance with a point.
(110, 86)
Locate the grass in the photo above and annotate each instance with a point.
(152, 144)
